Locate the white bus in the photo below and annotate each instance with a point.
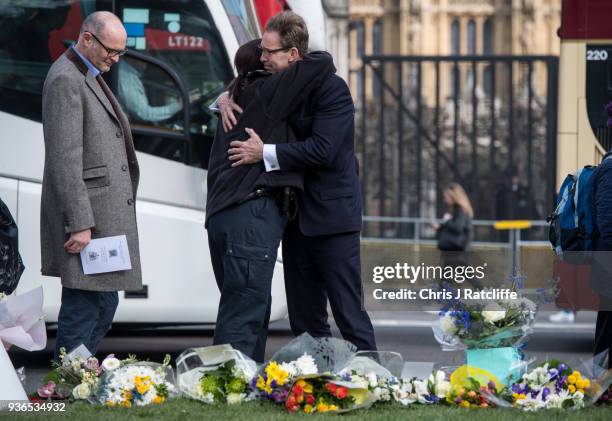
(177, 47)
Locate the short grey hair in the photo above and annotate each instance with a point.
(96, 22)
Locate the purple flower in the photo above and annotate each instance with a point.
(458, 400)
(491, 385)
(92, 364)
(545, 393)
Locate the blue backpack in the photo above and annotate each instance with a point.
(572, 229)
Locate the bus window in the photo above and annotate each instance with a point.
(182, 35)
(34, 35)
(153, 103)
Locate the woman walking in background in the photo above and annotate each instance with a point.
(455, 233)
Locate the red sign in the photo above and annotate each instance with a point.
(586, 19)
(164, 40)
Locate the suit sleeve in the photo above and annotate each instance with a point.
(63, 131)
(603, 205)
(333, 120)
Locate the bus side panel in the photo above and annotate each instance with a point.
(8, 194)
(29, 247)
(176, 268)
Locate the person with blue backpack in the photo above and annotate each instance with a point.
(601, 270)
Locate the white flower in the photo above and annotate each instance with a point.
(372, 379)
(493, 312)
(360, 381)
(75, 364)
(306, 365)
(111, 363)
(447, 324)
(82, 391)
(290, 368)
(404, 394)
(208, 398)
(235, 398)
(420, 387)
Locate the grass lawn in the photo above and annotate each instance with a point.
(182, 409)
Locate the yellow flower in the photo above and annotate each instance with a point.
(521, 396)
(465, 404)
(321, 407)
(571, 388)
(260, 382)
(333, 407)
(580, 384)
(308, 409)
(515, 396)
(110, 403)
(576, 374)
(571, 379)
(158, 399)
(587, 383)
(275, 372)
(307, 387)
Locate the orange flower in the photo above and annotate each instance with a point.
(291, 404)
(298, 390)
(331, 388)
(341, 392)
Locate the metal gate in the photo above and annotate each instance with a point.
(486, 122)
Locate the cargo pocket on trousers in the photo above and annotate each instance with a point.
(247, 267)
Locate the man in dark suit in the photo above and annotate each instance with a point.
(601, 270)
(321, 254)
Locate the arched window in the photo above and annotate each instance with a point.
(487, 37)
(471, 37)
(455, 38)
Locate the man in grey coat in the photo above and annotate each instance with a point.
(89, 182)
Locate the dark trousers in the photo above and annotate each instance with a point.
(243, 242)
(321, 268)
(84, 318)
(603, 329)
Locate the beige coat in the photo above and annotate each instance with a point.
(90, 177)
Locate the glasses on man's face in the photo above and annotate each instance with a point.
(267, 52)
(109, 51)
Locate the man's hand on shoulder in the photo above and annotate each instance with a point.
(227, 107)
(78, 241)
(248, 151)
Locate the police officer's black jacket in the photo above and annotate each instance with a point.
(267, 102)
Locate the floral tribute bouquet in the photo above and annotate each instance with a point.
(136, 383)
(324, 393)
(491, 331)
(303, 356)
(77, 377)
(555, 384)
(473, 387)
(274, 382)
(215, 374)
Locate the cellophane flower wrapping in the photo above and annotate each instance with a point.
(215, 374)
(554, 384)
(302, 356)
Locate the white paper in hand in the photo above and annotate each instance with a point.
(108, 254)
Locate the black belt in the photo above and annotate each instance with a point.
(284, 197)
(261, 192)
